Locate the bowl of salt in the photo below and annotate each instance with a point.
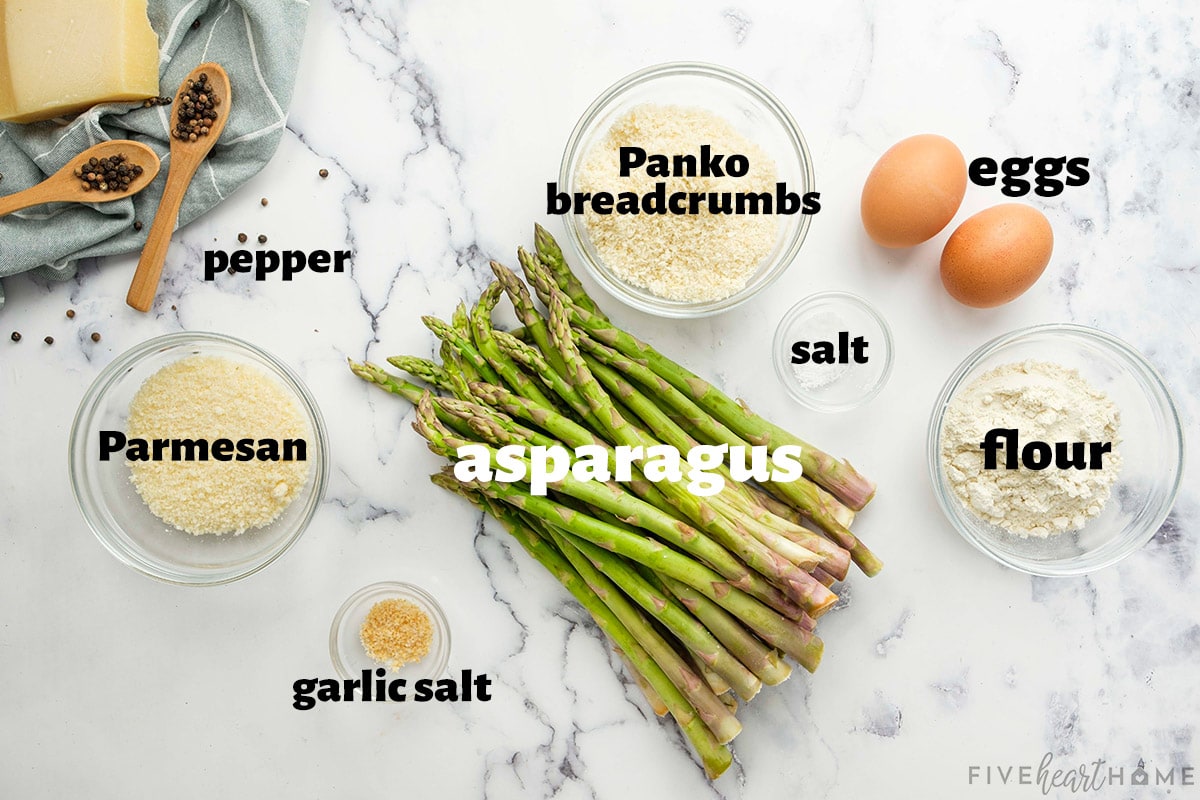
(832, 351)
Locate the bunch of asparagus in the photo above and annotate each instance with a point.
(702, 596)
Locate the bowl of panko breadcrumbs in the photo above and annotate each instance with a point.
(197, 458)
(698, 186)
(394, 626)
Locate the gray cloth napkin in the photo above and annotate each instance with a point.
(256, 41)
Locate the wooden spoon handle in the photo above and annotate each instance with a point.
(32, 196)
(13, 202)
(154, 253)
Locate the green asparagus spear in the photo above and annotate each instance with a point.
(673, 617)
(534, 361)
(409, 391)
(423, 368)
(773, 628)
(715, 757)
(463, 346)
(656, 703)
(707, 429)
(612, 498)
(712, 711)
(484, 337)
(795, 582)
(671, 434)
(837, 476)
(372, 373)
(551, 255)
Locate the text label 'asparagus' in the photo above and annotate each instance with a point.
(541, 466)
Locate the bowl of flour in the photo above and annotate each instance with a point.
(1056, 450)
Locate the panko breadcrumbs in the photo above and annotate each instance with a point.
(396, 632)
(682, 257)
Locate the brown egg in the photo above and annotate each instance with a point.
(913, 191)
(994, 256)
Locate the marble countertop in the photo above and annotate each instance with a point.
(440, 124)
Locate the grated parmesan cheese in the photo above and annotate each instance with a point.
(211, 397)
(682, 257)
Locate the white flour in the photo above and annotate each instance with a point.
(1044, 402)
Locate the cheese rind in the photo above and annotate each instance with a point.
(60, 57)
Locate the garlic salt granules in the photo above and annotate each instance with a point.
(1045, 402)
(682, 257)
(396, 632)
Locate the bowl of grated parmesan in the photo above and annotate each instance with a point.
(687, 188)
(1056, 450)
(197, 458)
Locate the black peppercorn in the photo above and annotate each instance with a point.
(16, 336)
(242, 238)
(49, 340)
(95, 337)
(324, 173)
(262, 238)
(70, 313)
(264, 202)
(137, 224)
(197, 109)
(109, 174)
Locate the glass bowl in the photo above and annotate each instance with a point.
(121, 520)
(1151, 449)
(346, 648)
(833, 387)
(752, 110)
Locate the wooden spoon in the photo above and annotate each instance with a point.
(64, 187)
(186, 157)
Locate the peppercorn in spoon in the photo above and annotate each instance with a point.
(197, 119)
(104, 172)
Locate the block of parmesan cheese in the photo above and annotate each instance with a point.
(60, 57)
